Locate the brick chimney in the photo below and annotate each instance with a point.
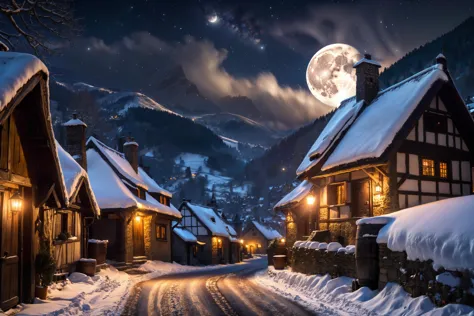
(76, 140)
(130, 149)
(367, 83)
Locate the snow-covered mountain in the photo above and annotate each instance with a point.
(239, 128)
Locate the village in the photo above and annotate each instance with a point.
(103, 215)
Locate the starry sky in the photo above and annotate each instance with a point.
(259, 49)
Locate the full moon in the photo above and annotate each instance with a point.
(330, 75)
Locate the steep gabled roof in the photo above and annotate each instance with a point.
(119, 162)
(111, 192)
(363, 133)
(295, 196)
(75, 177)
(153, 187)
(267, 232)
(21, 75)
(210, 219)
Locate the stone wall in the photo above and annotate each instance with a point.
(147, 234)
(419, 278)
(315, 261)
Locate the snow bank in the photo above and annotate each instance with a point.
(325, 296)
(441, 231)
(296, 195)
(334, 246)
(266, 231)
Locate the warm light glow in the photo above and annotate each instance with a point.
(283, 169)
(219, 240)
(258, 245)
(137, 218)
(310, 199)
(16, 202)
(378, 188)
(246, 246)
(282, 240)
(241, 241)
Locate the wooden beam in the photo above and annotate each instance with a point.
(371, 176)
(381, 171)
(402, 180)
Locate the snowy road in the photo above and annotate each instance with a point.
(226, 291)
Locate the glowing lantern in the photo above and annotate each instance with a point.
(16, 202)
(310, 199)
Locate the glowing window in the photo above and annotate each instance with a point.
(428, 167)
(443, 169)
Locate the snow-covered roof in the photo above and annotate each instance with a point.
(371, 129)
(210, 219)
(130, 143)
(296, 195)
(368, 61)
(440, 231)
(118, 160)
(153, 187)
(185, 234)
(75, 122)
(231, 230)
(16, 69)
(111, 192)
(267, 232)
(73, 173)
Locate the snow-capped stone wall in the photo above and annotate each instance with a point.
(420, 278)
(321, 258)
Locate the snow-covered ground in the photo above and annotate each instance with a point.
(104, 294)
(327, 296)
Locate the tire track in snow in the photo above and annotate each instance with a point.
(221, 301)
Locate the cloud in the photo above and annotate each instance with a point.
(141, 60)
(326, 25)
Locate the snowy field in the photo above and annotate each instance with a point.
(104, 294)
(327, 296)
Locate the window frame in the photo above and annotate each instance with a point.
(159, 229)
(61, 221)
(432, 168)
(440, 173)
(430, 126)
(333, 193)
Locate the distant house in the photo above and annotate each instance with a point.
(211, 229)
(386, 150)
(70, 225)
(256, 237)
(136, 213)
(33, 188)
(185, 246)
(299, 212)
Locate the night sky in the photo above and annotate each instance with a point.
(253, 46)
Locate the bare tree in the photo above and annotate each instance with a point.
(37, 22)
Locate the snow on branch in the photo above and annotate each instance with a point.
(37, 22)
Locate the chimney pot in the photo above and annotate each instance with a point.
(76, 140)
(368, 56)
(441, 60)
(367, 79)
(130, 149)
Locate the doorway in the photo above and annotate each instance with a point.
(138, 237)
(361, 205)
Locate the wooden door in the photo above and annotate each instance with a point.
(361, 199)
(138, 237)
(9, 256)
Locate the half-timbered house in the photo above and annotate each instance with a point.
(256, 237)
(136, 213)
(185, 246)
(387, 150)
(211, 229)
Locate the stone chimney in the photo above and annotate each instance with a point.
(76, 140)
(441, 60)
(130, 149)
(367, 83)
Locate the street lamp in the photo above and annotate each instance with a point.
(137, 218)
(378, 188)
(16, 202)
(310, 199)
(282, 240)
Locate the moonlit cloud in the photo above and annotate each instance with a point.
(326, 25)
(140, 61)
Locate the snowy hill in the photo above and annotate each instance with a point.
(239, 127)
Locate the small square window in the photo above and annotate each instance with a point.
(428, 167)
(161, 232)
(443, 170)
